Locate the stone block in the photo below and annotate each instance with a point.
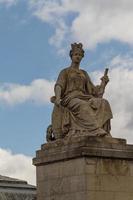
(100, 195)
(85, 169)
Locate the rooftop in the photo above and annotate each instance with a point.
(15, 189)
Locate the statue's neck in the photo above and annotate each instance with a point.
(75, 65)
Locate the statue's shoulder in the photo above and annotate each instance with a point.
(86, 74)
(65, 70)
(83, 71)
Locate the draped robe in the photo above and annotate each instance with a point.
(81, 108)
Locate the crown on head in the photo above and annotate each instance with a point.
(75, 47)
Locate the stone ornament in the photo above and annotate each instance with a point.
(79, 106)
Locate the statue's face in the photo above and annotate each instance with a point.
(77, 57)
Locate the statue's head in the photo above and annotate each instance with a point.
(76, 49)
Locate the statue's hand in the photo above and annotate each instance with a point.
(105, 79)
(57, 101)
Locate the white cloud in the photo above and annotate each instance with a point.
(119, 92)
(39, 91)
(17, 166)
(8, 2)
(95, 21)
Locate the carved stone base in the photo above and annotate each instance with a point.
(85, 168)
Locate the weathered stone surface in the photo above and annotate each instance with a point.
(84, 146)
(91, 168)
(79, 106)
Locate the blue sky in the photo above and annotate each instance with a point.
(35, 38)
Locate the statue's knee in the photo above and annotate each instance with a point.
(83, 104)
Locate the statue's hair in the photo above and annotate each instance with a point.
(76, 47)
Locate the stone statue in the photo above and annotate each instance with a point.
(78, 105)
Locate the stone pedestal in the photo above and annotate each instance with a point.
(85, 168)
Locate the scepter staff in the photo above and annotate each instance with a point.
(104, 82)
(106, 72)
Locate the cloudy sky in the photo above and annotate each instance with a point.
(35, 38)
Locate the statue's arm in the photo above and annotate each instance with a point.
(102, 86)
(104, 81)
(90, 87)
(97, 90)
(60, 86)
(57, 94)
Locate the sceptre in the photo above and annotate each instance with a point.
(106, 71)
(103, 85)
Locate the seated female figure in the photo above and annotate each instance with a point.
(78, 104)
